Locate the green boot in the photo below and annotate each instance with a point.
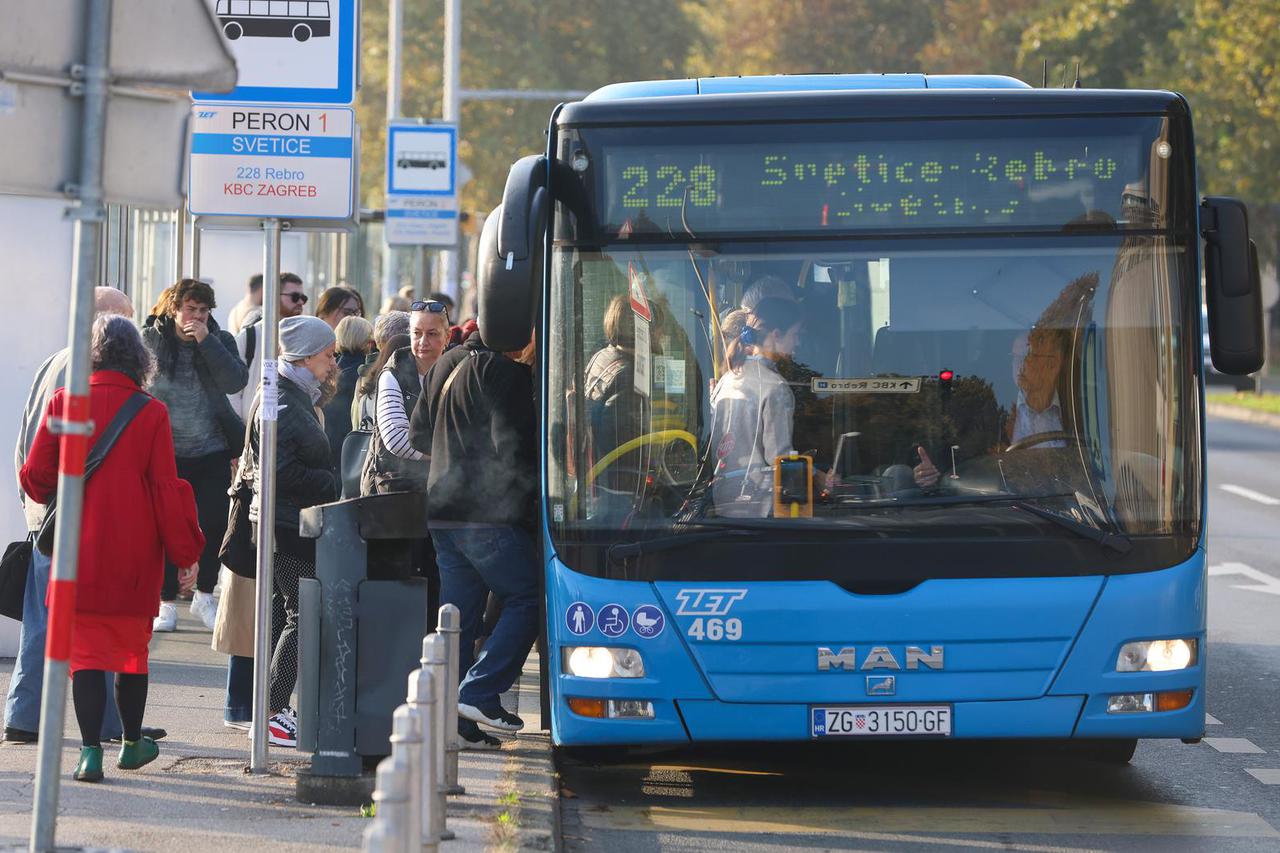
(137, 753)
(90, 767)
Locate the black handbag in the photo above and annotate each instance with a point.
(239, 552)
(13, 578)
(124, 415)
(355, 447)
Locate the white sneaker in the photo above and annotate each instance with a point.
(205, 608)
(167, 620)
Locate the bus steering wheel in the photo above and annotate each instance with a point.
(659, 437)
(1039, 438)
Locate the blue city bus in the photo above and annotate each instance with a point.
(872, 407)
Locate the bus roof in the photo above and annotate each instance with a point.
(801, 83)
(893, 104)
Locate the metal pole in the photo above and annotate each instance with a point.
(195, 248)
(449, 625)
(179, 242)
(395, 35)
(75, 428)
(449, 277)
(422, 702)
(435, 660)
(266, 496)
(406, 737)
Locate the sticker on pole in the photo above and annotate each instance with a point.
(579, 618)
(290, 51)
(277, 162)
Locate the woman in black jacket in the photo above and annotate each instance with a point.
(308, 372)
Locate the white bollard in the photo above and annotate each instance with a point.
(406, 738)
(435, 660)
(391, 798)
(422, 702)
(450, 625)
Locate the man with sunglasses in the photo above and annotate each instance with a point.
(249, 339)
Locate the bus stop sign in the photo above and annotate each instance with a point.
(291, 51)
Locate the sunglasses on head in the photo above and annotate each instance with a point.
(298, 298)
(430, 305)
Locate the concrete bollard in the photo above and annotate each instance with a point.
(450, 625)
(422, 703)
(391, 797)
(406, 738)
(435, 660)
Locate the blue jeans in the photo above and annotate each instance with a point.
(239, 689)
(472, 561)
(22, 709)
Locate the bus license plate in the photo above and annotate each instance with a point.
(881, 720)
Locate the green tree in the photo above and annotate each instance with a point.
(801, 36)
(984, 37)
(512, 44)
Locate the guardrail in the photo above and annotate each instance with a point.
(422, 770)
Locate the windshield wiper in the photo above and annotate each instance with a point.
(1115, 541)
(621, 552)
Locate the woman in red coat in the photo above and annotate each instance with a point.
(136, 512)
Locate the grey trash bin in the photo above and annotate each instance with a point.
(361, 623)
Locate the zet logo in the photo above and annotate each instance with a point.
(708, 602)
(206, 113)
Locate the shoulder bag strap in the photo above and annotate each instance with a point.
(123, 416)
(250, 344)
(453, 374)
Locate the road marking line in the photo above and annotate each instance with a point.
(1211, 720)
(1233, 744)
(1250, 494)
(1266, 777)
(1265, 582)
(867, 822)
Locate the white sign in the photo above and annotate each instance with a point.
(669, 373)
(421, 221)
(282, 162)
(866, 386)
(643, 358)
(291, 51)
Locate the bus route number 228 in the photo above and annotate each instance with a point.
(714, 629)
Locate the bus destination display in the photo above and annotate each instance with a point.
(947, 183)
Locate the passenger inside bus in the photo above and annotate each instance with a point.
(616, 411)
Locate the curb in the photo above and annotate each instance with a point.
(1239, 413)
(531, 770)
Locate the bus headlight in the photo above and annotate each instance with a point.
(602, 662)
(1156, 656)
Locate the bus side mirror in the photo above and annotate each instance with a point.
(1233, 287)
(509, 272)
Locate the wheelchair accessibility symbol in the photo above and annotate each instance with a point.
(614, 620)
(648, 621)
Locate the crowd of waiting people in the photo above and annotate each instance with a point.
(175, 403)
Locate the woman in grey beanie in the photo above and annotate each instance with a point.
(307, 373)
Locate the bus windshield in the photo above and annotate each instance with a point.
(1028, 371)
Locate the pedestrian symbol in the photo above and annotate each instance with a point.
(579, 618)
(648, 621)
(614, 620)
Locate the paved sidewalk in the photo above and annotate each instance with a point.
(198, 795)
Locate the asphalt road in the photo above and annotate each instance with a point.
(1219, 795)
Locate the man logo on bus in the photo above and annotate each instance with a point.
(708, 602)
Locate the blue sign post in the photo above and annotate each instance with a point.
(422, 185)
